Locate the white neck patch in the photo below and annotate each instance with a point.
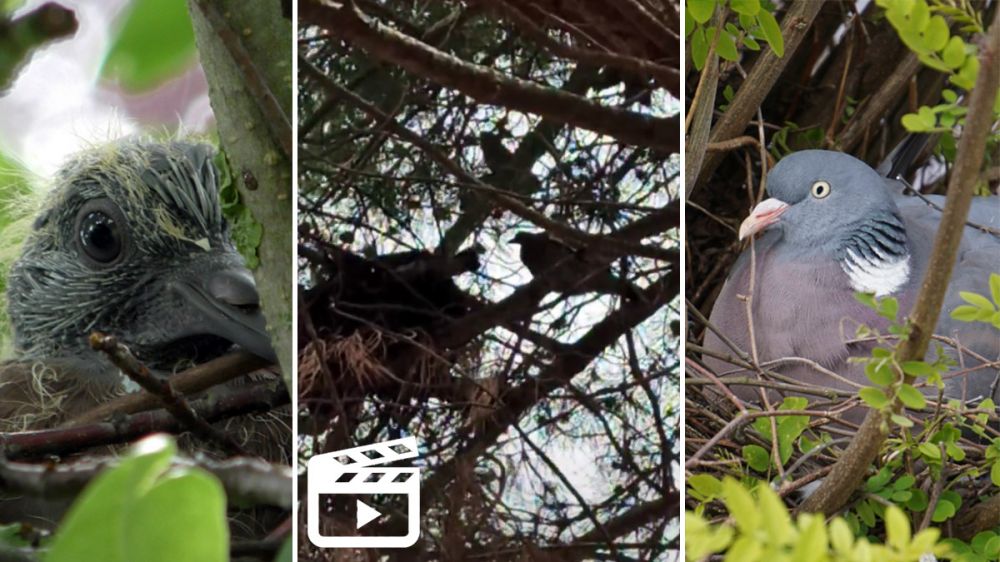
(883, 277)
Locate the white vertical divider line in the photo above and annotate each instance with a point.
(683, 304)
(295, 280)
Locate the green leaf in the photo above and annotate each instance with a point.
(745, 7)
(917, 501)
(741, 506)
(726, 45)
(943, 511)
(911, 397)
(995, 473)
(812, 538)
(965, 313)
(701, 10)
(880, 372)
(841, 537)
(774, 515)
(888, 308)
(927, 116)
(285, 554)
(995, 287)
(977, 300)
(874, 397)
(706, 485)
(757, 457)
(866, 513)
(897, 528)
(92, 529)
(699, 48)
(913, 123)
(930, 451)
(772, 32)
(156, 42)
(867, 299)
(917, 368)
(901, 421)
(879, 480)
(936, 35)
(189, 504)
(728, 93)
(953, 56)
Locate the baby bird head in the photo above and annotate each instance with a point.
(132, 242)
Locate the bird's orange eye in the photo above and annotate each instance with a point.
(820, 189)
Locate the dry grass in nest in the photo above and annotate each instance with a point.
(367, 362)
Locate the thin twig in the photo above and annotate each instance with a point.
(174, 403)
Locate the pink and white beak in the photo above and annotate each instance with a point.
(762, 216)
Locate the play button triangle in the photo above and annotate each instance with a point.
(366, 514)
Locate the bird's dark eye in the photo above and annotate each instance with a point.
(100, 232)
(820, 189)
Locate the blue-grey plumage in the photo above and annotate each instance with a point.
(832, 227)
(132, 242)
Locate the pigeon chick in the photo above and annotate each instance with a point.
(131, 242)
(541, 253)
(833, 227)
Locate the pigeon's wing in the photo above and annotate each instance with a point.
(800, 308)
(978, 257)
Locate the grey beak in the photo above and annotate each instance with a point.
(229, 307)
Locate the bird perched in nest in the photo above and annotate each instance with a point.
(131, 242)
(833, 227)
(541, 254)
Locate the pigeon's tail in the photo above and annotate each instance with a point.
(903, 156)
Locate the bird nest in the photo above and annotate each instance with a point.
(368, 362)
(37, 395)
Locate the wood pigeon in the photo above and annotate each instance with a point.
(833, 227)
(131, 242)
(542, 254)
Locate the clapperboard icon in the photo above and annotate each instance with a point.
(352, 479)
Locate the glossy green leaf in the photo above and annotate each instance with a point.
(155, 43)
